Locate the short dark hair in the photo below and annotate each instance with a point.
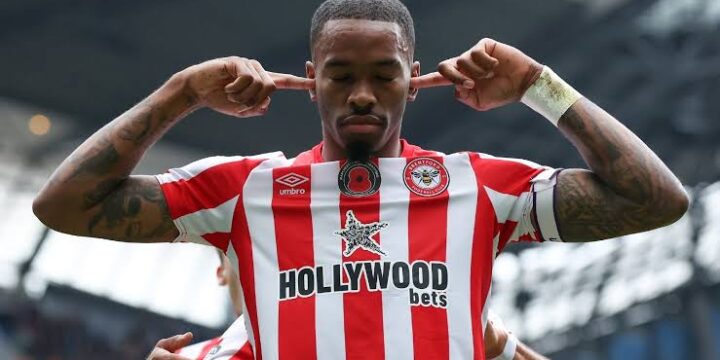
(377, 10)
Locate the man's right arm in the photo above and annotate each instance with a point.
(92, 192)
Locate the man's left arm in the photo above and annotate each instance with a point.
(628, 189)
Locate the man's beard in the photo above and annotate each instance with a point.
(358, 151)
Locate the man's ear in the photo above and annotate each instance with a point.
(414, 72)
(310, 74)
(220, 275)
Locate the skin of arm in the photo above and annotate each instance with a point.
(92, 192)
(627, 188)
(496, 336)
(524, 352)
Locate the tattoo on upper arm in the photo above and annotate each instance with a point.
(135, 211)
(587, 210)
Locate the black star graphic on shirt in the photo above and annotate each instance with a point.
(359, 235)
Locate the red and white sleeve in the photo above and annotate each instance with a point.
(519, 189)
(202, 196)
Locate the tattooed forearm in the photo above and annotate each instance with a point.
(92, 192)
(121, 141)
(628, 189)
(99, 159)
(138, 130)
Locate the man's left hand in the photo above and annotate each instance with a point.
(489, 75)
(165, 348)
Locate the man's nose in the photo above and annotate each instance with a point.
(362, 96)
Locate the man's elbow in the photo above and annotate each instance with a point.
(682, 203)
(51, 213)
(673, 206)
(42, 209)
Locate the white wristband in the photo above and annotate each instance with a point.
(510, 348)
(550, 96)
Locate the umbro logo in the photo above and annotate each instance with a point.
(291, 180)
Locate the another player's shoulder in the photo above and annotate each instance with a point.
(237, 330)
(199, 350)
(234, 344)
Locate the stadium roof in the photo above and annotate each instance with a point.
(652, 63)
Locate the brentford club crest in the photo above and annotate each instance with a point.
(426, 177)
(358, 179)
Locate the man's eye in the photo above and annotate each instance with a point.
(385, 78)
(341, 78)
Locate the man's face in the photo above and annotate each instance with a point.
(227, 276)
(362, 70)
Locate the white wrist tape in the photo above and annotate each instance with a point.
(510, 348)
(550, 96)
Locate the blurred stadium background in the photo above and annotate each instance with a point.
(68, 67)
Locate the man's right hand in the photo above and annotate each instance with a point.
(237, 86)
(165, 348)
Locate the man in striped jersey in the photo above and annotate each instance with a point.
(232, 344)
(364, 246)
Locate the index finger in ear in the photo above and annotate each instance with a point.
(291, 82)
(268, 84)
(434, 79)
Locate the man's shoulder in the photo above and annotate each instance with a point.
(217, 166)
(493, 160)
(475, 156)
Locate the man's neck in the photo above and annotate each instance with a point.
(332, 152)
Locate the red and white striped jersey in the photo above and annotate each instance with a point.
(231, 345)
(402, 272)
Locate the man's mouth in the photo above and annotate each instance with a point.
(361, 120)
